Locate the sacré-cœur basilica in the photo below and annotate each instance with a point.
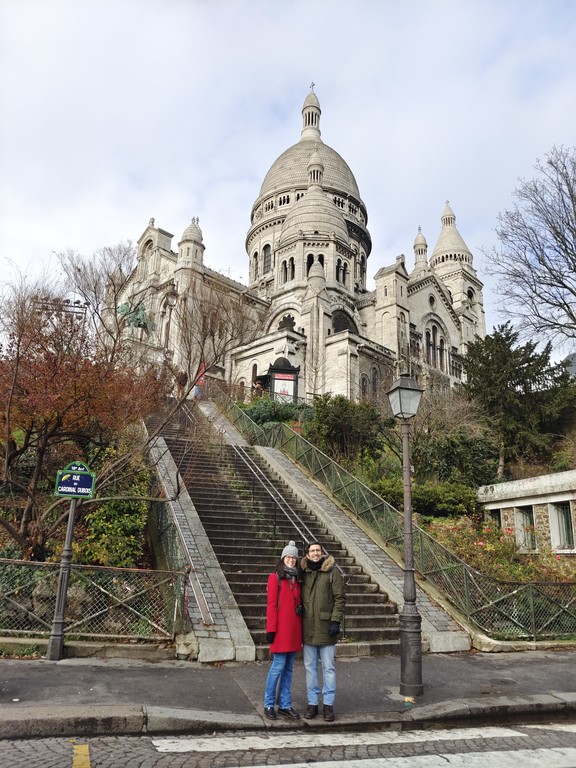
(320, 329)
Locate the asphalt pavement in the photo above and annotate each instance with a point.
(73, 697)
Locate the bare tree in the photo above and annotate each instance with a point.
(99, 281)
(207, 323)
(77, 379)
(536, 259)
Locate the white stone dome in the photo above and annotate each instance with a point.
(192, 232)
(314, 213)
(290, 170)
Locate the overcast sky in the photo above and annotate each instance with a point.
(116, 111)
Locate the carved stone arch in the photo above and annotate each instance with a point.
(341, 321)
(287, 309)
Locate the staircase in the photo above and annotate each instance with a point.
(248, 517)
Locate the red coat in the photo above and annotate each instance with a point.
(281, 614)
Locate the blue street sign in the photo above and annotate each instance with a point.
(75, 481)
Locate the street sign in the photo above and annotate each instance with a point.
(75, 481)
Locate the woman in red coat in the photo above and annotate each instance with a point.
(283, 632)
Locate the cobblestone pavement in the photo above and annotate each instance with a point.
(547, 745)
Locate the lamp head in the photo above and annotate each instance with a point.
(404, 397)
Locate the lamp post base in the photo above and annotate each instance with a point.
(410, 652)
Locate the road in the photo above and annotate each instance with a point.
(549, 745)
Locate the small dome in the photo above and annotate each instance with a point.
(450, 241)
(311, 101)
(420, 240)
(192, 232)
(314, 213)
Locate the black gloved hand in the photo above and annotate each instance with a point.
(270, 637)
(334, 628)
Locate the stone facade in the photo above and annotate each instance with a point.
(308, 247)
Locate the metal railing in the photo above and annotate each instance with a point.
(112, 603)
(502, 610)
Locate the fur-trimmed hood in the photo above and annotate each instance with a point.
(328, 564)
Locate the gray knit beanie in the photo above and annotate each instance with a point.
(290, 550)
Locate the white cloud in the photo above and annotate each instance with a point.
(118, 110)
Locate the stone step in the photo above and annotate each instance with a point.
(251, 607)
(241, 558)
(353, 625)
(247, 530)
(258, 579)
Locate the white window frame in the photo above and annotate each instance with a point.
(555, 509)
(524, 519)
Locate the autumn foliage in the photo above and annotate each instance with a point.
(63, 400)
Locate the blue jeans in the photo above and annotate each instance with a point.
(324, 654)
(280, 677)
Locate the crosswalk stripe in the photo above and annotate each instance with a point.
(274, 740)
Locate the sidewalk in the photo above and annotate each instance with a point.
(74, 697)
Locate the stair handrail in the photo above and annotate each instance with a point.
(280, 500)
(505, 610)
(192, 573)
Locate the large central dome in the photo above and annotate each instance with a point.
(287, 182)
(290, 170)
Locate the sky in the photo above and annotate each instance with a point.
(117, 111)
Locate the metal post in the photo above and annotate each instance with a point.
(410, 619)
(56, 640)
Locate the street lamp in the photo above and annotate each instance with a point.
(404, 397)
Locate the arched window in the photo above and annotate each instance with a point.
(267, 259)
(442, 355)
(291, 269)
(283, 272)
(375, 381)
(309, 262)
(364, 386)
(338, 270)
(254, 372)
(363, 271)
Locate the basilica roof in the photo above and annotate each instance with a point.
(450, 241)
(290, 170)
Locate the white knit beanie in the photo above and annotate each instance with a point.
(290, 550)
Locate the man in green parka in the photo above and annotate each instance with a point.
(324, 599)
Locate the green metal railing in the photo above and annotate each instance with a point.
(502, 610)
(112, 603)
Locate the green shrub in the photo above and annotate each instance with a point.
(429, 499)
(116, 529)
(264, 410)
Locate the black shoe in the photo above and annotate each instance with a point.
(269, 713)
(311, 711)
(291, 713)
(328, 713)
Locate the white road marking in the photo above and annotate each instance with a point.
(273, 740)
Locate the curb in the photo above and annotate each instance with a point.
(25, 722)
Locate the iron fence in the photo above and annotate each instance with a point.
(502, 610)
(114, 603)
